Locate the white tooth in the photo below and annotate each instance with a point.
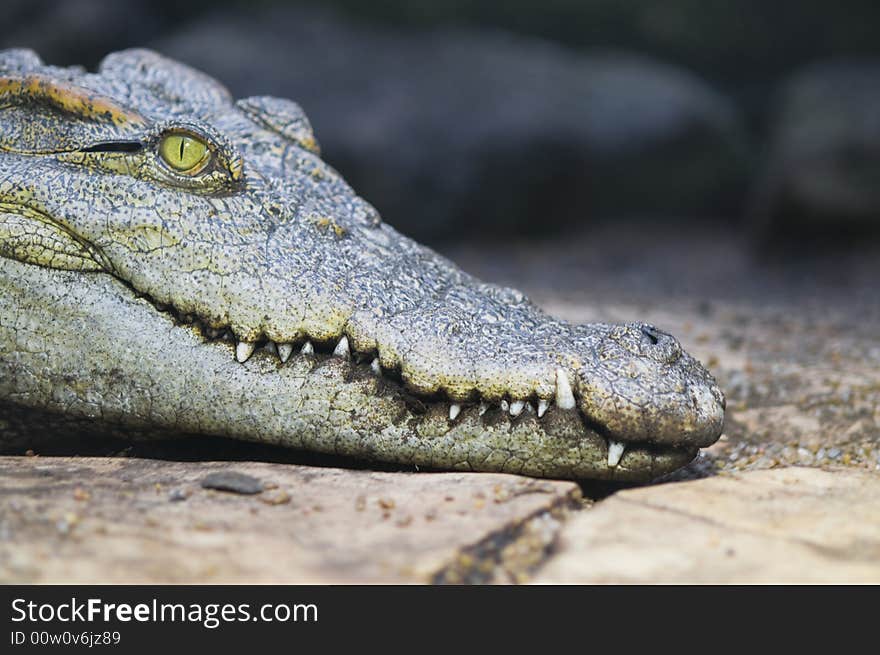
(483, 408)
(271, 347)
(243, 350)
(542, 407)
(505, 405)
(454, 410)
(516, 407)
(342, 349)
(564, 395)
(307, 348)
(377, 369)
(615, 452)
(285, 350)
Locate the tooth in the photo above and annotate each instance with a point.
(542, 407)
(307, 348)
(615, 452)
(342, 349)
(483, 408)
(377, 369)
(454, 410)
(564, 396)
(505, 405)
(285, 350)
(271, 347)
(516, 407)
(243, 350)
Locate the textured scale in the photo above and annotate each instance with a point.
(269, 243)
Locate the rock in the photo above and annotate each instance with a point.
(823, 171)
(315, 525)
(783, 526)
(454, 132)
(739, 42)
(232, 481)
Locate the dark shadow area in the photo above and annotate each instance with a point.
(197, 449)
(217, 449)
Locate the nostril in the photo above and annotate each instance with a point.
(651, 333)
(658, 345)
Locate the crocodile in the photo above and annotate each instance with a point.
(178, 262)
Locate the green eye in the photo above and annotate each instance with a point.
(184, 153)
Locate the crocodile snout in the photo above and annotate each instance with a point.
(644, 387)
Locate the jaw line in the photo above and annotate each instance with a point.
(590, 424)
(620, 448)
(103, 326)
(40, 216)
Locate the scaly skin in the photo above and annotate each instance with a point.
(134, 295)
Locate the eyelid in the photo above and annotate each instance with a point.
(115, 146)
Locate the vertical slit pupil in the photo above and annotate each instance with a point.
(182, 143)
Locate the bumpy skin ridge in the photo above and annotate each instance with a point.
(267, 242)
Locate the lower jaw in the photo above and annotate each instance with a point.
(613, 460)
(51, 432)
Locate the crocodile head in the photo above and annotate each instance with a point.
(222, 214)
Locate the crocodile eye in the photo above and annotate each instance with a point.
(184, 153)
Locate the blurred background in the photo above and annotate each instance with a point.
(709, 166)
(485, 118)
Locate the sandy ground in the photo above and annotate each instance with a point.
(792, 335)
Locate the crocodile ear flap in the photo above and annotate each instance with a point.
(40, 115)
(282, 116)
(170, 81)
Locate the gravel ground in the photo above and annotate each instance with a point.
(792, 335)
